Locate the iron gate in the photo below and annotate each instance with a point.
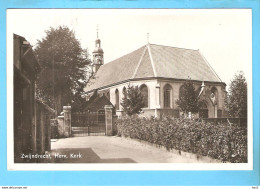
(88, 123)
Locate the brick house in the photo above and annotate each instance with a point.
(31, 116)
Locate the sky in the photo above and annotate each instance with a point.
(223, 36)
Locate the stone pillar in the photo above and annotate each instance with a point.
(157, 96)
(109, 120)
(60, 120)
(215, 111)
(67, 121)
(157, 100)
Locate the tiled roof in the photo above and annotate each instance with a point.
(98, 104)
(152, 61)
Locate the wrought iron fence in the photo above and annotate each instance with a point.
(88, 123)
(242, 122)
(85, 119)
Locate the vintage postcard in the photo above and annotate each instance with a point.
(129, 89)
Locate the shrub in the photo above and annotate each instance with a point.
(188, 98)
(133, 100)
(219, 141)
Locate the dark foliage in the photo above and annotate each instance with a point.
(133, 100)
(63, 63)
(218, 141)
(237, 96)
(188, 98)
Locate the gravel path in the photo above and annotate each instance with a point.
(103, 149)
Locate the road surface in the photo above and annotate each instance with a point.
(104, 149)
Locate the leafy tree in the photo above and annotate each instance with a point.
(237, 96)
(133, 100)
(78, 103)
(188, 98)
(64, 64)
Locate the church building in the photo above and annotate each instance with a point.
(160, 72)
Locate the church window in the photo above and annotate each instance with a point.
(167, 96)
(124, 92)
(203, 111)
(117, 99)
(144, 92)
(213, 95)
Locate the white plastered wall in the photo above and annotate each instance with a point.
(221, 95)
(151, 85)
(156, 93)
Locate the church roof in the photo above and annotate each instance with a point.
(154, 61)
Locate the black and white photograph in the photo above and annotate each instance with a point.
(129, 89)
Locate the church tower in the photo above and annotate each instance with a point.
(98, 59)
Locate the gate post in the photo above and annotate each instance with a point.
(67, 121)
(108, 120)
(60, 120)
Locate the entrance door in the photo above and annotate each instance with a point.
(203, 113)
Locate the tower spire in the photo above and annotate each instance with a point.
(98, 59)
(147, 37)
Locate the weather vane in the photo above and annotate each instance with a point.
(97, 30)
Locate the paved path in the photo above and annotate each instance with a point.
(102, 149)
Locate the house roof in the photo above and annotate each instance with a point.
(98, 103)
(154, 61)
(28, 55)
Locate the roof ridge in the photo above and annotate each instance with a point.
(154, 61)
(175, 47)
(210, 66)
(139, 62)
(125, 55)
(151, 58)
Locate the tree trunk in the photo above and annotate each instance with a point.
(58, 105)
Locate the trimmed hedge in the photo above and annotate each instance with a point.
(219, 141)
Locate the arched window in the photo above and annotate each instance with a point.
(214, 95)
(203, 112)
(144, 92)
(117, 99)
(124, 90)
(181, 91)
(167, 96)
